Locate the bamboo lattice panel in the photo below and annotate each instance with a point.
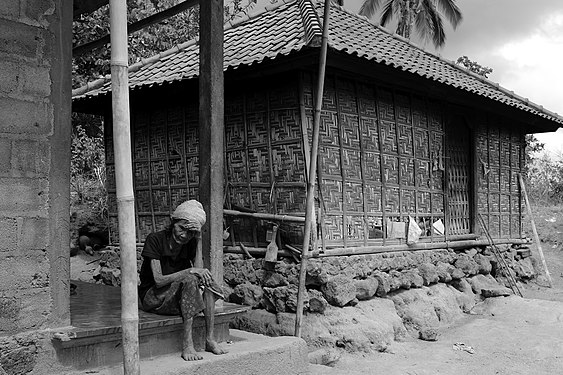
(500, 158)
(380, 159)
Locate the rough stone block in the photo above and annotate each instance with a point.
(444, 271)
(8, 234)
(5, 155)
(396, 281)
(35, 233)
(272, 279)
(18, 39)
(487, 286)
(365, 289)
(37, 10)
(412, 278)
(10, 9)
(19, 353)
(429, 273)
(466, 264)
(25, 117)
(24, 195)
(339, 290)
(383, 286)
(247, 294)
(457, 274)
(317, 302)
(35, 309)
(36, 81)
(524, 268)
(9, 76)
(484, 264)
(316, 274)
(426, 307)
(20, 272)
(282, 299)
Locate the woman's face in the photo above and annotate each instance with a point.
(181, 233)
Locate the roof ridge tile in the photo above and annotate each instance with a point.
(311, 22)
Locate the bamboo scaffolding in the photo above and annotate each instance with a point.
(124, 186)
(309, 215)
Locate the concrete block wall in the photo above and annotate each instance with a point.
(35, 102)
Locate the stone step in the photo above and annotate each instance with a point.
(86, 348)
(249, 354)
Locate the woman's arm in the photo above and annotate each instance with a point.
(161, 280)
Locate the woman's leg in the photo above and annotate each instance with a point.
(188, 350)
(210, 344)
(191, 304)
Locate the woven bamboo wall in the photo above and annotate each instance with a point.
(381, 159)
(384, 155)
(500, 152)
(165, 165)
(264, 160)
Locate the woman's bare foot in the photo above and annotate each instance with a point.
(189, 354)
(213, 347)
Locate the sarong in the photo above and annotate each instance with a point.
(182, 298)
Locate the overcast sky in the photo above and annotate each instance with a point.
(522, 40)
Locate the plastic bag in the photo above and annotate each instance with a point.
(413, 231)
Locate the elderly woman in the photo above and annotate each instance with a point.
(171, 285)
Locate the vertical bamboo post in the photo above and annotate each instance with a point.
(536, 237)
(124, 186)
(310, 213)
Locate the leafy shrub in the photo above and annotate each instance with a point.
(87, 171)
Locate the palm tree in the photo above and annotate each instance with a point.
(424, 15)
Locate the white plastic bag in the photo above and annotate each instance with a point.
(413, 231)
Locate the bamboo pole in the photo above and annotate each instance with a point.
(258, 215)
(124, 186)
(251, 252)
(536, 237)
(420, 246)
(309, 214)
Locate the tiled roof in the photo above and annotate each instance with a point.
(293, 24)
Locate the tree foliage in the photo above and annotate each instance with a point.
(87, 167)
(474, 66)
(426, 16)
(144, 43)
(545, 179)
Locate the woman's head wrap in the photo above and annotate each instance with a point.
(191, 211)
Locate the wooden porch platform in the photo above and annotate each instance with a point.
(94, 338)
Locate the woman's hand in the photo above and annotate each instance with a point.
(203, 274)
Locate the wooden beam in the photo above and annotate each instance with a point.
(136, 26)
(211, 132)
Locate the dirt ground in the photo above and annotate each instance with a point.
(505, 335)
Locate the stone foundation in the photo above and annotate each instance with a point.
(342, 281)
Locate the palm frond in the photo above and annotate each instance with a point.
(451, 11)
(438, 32)
(387, 14)
(423, 20)
(369, 7)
